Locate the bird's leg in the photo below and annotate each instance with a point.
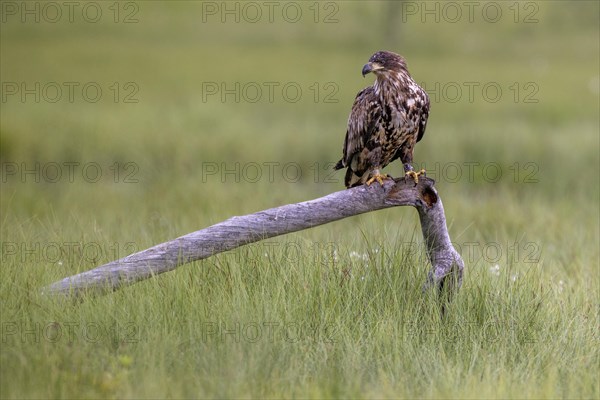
(414, 175)
(377, 176)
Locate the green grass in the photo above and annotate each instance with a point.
(336, 311)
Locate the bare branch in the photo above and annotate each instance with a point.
(238, 231)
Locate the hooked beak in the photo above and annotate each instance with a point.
(371, 67)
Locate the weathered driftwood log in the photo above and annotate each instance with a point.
(238, 231)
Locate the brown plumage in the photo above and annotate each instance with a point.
(386, 121)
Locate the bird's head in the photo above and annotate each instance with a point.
(384, 62)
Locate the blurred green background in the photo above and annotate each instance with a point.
(512, 139)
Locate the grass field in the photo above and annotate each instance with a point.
(209, 110)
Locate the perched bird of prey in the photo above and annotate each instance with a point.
(386, 121)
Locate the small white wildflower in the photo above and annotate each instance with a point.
(354, 254)
(514, 277)
(561, 286)
(60, 262)
(495, 269)
(335, 255)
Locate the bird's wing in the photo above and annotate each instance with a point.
(424, 100)
(361, 123)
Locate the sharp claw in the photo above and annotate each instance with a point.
(415, 175)
(376, 177)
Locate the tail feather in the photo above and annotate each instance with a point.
(351, 179)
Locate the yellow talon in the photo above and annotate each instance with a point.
(376, 177)
(415, 175)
